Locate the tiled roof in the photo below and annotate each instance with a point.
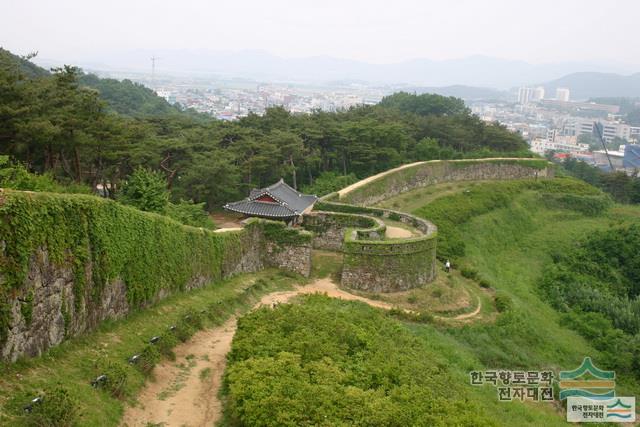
(257, 208)
(289, 202)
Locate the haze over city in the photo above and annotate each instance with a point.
(520, 42)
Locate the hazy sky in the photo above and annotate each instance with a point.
(374, 31)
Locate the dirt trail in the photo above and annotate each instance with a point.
(466, 316)
(180, 395)
(185, 391)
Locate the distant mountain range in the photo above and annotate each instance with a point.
(476, 71)
(596, 85)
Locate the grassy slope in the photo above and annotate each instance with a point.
(509, 247)
(73, 362)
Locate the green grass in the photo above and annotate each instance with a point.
(417, 198)
(508, 234)
(333, 362)
(509, 247)
(73, 363)
(326, 264)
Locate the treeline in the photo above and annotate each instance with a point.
(53, 123)
(622, 187)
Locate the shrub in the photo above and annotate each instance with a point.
(328, 182)
(190, 213)
(484, 283)
(193, 319)
(58, 408)
(394, 216)
(331, 362)
(149, 358)
(166, 343)
(14, 175)
(503, 302)
(146, 190)
(183, 331)
(469, 273)
(117, 375)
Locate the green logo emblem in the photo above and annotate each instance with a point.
(587, 381)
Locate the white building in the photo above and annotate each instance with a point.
(525, 95)
(561, 143)
(562, 94)
(538, 93)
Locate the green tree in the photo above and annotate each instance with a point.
(146, 190)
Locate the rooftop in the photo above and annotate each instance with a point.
(276, 201)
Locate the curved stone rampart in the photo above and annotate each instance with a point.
(381, 265)
(375, 189)
(329, 228)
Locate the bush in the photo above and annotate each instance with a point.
(15, 176)
(58, 408)
(503, 302)
(190, 213)
(146, 190)
(484, 283)
(149, 358)
(394, 216)
(166, 343)
(328, 182)
(469, 273)
(586, 205)
(117, 375)
(332, 362)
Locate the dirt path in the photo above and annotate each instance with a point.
(466, 316)
(185, 391)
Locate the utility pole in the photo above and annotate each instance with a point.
(153, 70)
(600, 131)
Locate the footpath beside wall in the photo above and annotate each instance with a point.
(391, 183)
(69, 262)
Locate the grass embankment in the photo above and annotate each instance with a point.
(501, 234)
(509, 242)
(75, 363)
(331, 362)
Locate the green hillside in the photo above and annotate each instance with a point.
(506, 235)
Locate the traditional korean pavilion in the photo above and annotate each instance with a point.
(278, 201)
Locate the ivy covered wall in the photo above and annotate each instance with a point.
(68, 262)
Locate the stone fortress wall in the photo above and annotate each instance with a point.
(69, 262)
(59, 280)
(408, 177)
(383, 265)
